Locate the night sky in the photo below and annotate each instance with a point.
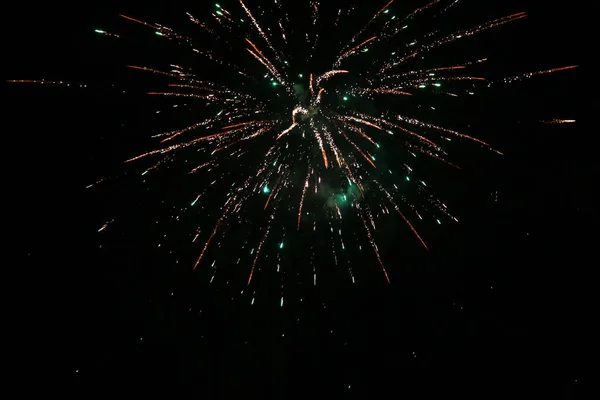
(493, 310)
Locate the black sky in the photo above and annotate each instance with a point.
(494, 310)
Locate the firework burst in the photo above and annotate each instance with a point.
(313, 143)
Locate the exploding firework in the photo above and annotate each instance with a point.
(306, 140)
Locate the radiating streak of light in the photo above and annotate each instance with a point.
(532, 74)
(302, 199)
(368, 23)
(560, 121)
(456, 36)
(374, 246)
(412, 228)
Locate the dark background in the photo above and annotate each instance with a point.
(493, 310)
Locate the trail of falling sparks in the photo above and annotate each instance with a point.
(101, 32)
(420, 72)
(201, 139)
(385, 91)
(329, 74)
(369, 23)
(140, 22)
(455, 36)
(259, 29)
(96, 183)
(199, 167)
(360, 132)
(158, 72)
(262, 242)
(332, 146)
(352, 51)
(320, 141)
(106, 224)
(362, 121)
(298, 110)
(420, 137)
(375, 249)
(418, 10)
(287, 130)
(302, 199)
(209, 240)
(559, 121)
(391, 200)
(358, 149)
(414, 121)
(40, 82)
(274, 191)
(263, 60)
(430, 154)
(174, 134)
(318, 99)
(532, 74)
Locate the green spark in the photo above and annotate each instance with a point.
(274, 83)
(98, 31)
(386, 11)
(438, 221)
(217, 5)
(159, 33)
(408, 178)
(345, 98)
(219, 12)
(281, 245)
(266, 189)
(437, 84)
(300, 76)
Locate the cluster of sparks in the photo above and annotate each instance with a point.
(334, 137)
